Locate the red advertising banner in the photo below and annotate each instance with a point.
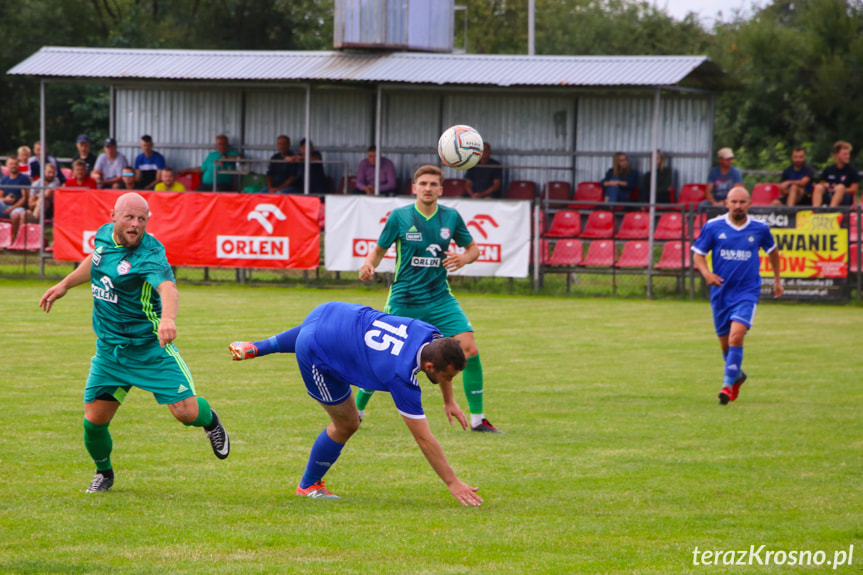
(201, 229)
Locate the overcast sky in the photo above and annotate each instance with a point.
(706, 9)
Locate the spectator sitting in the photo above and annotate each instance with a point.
(796, 185)
(40, 189)
(80, 176)
(282, 171)
(148, 165)
(317, 178)
(366, 175)
(13, 188)
(484, 179)
(24, 157)
(225, 182)
(84, 153)
(35, 169)
(721, 179)
(620, 180)
(111, 164)
(839, 182)
(169, 182)
(127, 179)
(663, 182)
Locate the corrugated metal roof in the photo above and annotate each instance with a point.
(400, 67)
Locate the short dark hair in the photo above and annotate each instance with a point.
(78, 162)
(147, 138)
(372, 148)
(428, 169)
(444, 352)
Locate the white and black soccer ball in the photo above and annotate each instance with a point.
(460, 147)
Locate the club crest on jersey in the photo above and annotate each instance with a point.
(751, 238)
(123, 267)
(445, 233)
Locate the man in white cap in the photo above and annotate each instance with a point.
(721, 179)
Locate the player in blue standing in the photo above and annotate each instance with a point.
(135, 302)
(735, 283)
(422, 233)
(342, 344)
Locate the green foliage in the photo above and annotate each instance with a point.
(616, 457)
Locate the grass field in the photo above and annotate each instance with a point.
(616, 457)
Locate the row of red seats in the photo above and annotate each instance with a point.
(600, 224)
(603, 253)
(27, 239)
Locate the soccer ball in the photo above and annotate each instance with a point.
(460, 147)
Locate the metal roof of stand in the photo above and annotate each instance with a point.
(112, 64)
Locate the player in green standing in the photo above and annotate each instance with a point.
(135, 303)
(422, 233)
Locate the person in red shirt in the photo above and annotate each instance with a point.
(80, 177)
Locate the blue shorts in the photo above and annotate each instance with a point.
(321, 384)
(741, 312)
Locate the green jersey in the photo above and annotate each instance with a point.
(126, 307)
(421, 243)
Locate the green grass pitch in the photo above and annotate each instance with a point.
(617, 457)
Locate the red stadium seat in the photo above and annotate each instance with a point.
(351, 183)
(565, 224)
(190, 181)
(600, 254)
(5, 235)
(587, 192)
(635, 254)
(673, 255)
(521, 190)
(669, 227)
(67, 173)
(635, 226)
(764, 194)
(454, 188)
(567, 253)
(853, 254)
(853, 226)
(600, 224)
(557, 191)
(691, 195)
(28, 238)
(699, 221)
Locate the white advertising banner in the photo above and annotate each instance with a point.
(501, 230)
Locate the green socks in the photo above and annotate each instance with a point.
(363, 397)
(97, 440)
(205, 416)
(472, 381)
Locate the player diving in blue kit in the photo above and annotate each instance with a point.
(735, 283)
(342, 344)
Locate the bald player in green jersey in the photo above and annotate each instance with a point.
(422, 233)
(135, 303)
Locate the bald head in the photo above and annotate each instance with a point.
(130, 214)
(737, 203)
(739, 192)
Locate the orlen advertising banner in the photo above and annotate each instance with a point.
(813, 257)
(500, 229)
(201, 229)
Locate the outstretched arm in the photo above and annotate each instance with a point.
(434, 455)
(79, 275)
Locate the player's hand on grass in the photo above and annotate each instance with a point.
(465, 493)
(453, 410)
(167, 331)
(54, 293)
(454, 261)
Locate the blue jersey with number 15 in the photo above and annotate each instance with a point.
(372, 349)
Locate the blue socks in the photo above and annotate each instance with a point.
(733, 362)
(285, 342)
(324, 453)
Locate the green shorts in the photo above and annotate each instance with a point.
(446, 315)
(115, 369)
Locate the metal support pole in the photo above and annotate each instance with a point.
(308, 155)
(531, 24)
(537, 262)
(654, 144)
(378, 151)
(42, 154)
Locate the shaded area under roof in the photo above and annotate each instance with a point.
(374, 67)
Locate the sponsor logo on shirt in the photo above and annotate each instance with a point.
(736, 255)
(414, 236)
(722, 236)
(434, 249)
(103, 292)
(97, 256)
(425, 262)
